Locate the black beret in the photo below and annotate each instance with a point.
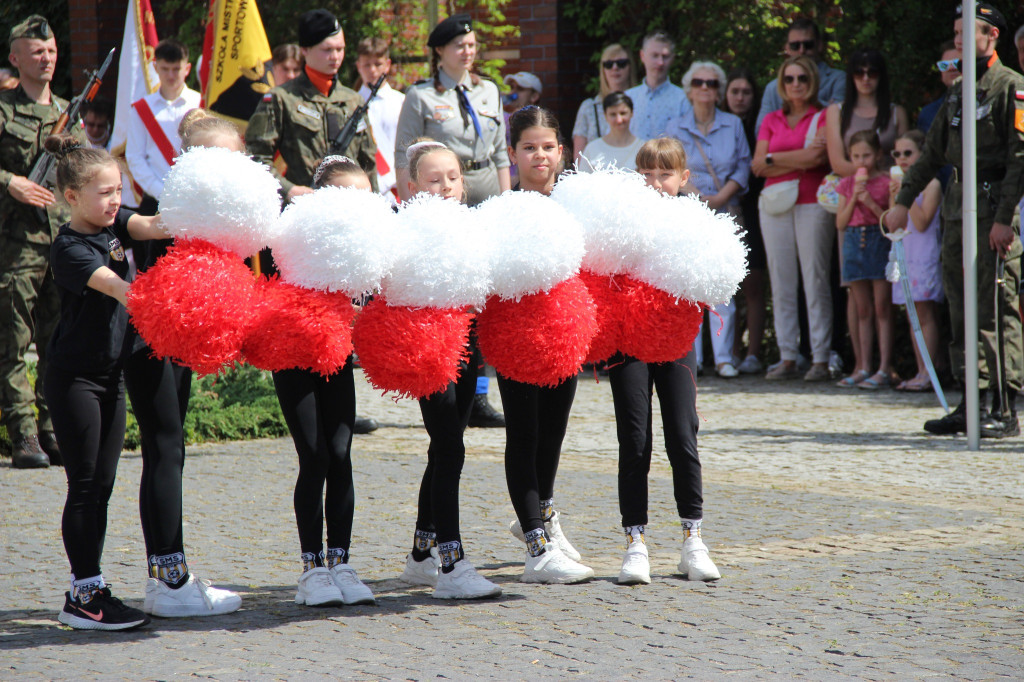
(317, 25)
(449, 29)
(987, 13)
(33, 27)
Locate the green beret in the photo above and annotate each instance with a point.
(33, 27)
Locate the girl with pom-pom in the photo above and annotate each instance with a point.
(159, 389)
(437, 558)
(320, 412)
(662, 162)
(83, 383)
(536, 416)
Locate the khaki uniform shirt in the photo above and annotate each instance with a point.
(299, 122)
(24, 125)
(437, 115)
(1000, 144)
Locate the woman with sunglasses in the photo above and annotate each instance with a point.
(791, 147)
(617, 74)
(868, 106)
(718, 158)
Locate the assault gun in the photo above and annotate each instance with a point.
(348, 131)
(43, 172)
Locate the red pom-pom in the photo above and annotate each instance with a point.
(611, 303)
(414, 352)
(194, 305)
(298, 328)
(656, 327)
(541, 339)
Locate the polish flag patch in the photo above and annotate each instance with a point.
(1020, 95)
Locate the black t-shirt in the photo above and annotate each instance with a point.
(91, 333)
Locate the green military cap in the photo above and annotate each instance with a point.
(33, 27)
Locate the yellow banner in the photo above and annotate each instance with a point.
(240, 70)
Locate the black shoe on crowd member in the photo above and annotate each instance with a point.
(1000, 426)
(364, 425)
(48, 444)
(484, 416)
(26, 454)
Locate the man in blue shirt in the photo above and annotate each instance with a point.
(655, 100)
(950, 55)
(804, 38)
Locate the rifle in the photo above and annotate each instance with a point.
(43, 172)
(348, 131)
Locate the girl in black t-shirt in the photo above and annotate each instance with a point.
(83, 381)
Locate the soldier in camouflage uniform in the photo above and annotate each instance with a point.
(293, 127)
(1000, 153)
(29, 306)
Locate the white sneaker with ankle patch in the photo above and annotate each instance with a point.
(317, 588)
(195, 598)
(696, 563)
(636, 567)
(554, 530)
(553, 567)
(463, 582)
(353, 591)
(421, 572)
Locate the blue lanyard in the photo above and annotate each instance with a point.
(466, 106)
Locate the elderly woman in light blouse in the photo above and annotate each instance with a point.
(718, 156)
(618, 74)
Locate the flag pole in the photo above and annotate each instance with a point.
(969, 123)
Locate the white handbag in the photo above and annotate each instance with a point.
(780, 197)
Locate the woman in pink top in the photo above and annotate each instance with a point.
(798, 241)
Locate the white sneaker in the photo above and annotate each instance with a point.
(195, 598)
(750, 365)
(636, 568)
(727, 371)
(695, 562)
(421, 572)
(317, 588)
(553, 567)
(353, 591)
(464, 583)
(554, 531)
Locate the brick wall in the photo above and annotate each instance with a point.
(95, 28)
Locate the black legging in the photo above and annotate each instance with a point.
(159, 391)
(88, 415)
(535, 421)
(320, 412)
(445, 416)
(632, 383)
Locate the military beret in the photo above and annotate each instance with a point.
(449, 29)
(317, 25)
(987, 13)
(33, 27)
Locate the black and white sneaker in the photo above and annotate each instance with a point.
(103, 612)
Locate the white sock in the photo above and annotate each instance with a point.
(691, 527)
(634, 533)
(82, 589)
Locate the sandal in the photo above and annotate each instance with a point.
(854, 379)
(876, 381)
(919, 384)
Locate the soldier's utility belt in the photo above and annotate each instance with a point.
(475, 165)
(991, 175)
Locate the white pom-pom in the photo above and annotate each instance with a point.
(221, 196)
(335, 239)
(607, 204)
(536, 243)
(444, 259)
(694, 252)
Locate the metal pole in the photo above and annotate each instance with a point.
(969, 125)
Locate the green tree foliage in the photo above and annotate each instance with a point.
(751, 33)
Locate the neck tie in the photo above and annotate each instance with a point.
(468, 108)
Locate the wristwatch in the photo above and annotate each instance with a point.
(768, 159)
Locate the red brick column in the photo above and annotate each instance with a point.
(95, 28)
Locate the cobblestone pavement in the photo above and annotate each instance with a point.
(851, 546)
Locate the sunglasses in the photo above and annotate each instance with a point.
(620, 63)
(712, 83)
(866, 72)
(948, 65)
(905, 154)
(795, 45)
(803, 78)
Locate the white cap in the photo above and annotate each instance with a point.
(525, 79)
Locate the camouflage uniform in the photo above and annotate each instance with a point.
(29, 307)
(298, 121)
(1000, 149)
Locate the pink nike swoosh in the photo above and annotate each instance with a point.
(97, 617)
